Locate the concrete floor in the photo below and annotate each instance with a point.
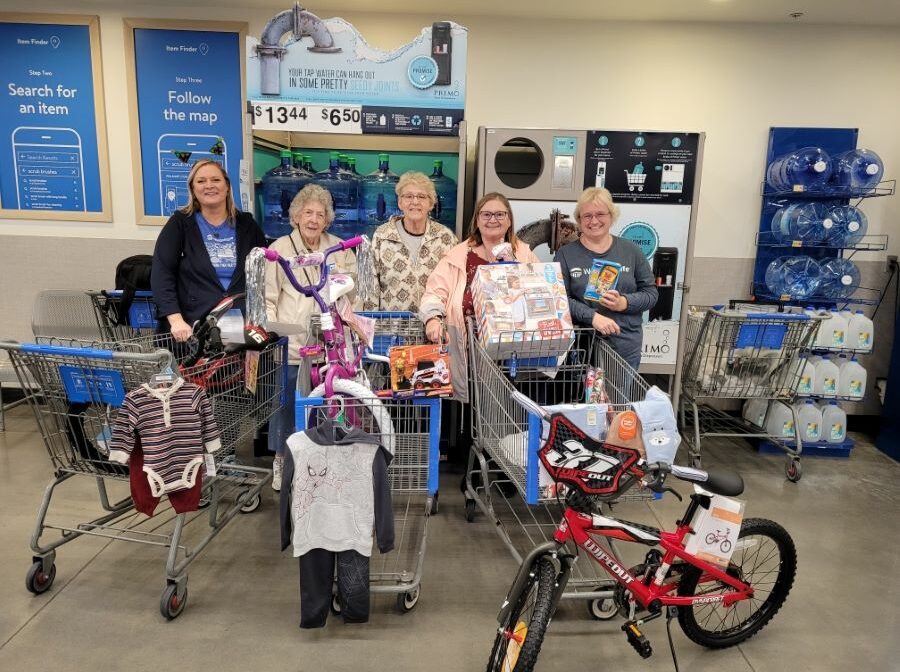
(242, 614)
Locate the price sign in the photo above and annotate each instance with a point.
(282, 116)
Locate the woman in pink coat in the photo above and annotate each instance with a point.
(447, 300)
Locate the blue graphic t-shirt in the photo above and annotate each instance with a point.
(221, 244)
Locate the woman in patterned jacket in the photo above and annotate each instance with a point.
(406, 249)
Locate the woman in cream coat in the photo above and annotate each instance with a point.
(311, 213)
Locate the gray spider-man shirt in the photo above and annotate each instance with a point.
(336, 492)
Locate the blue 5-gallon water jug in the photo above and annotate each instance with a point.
(797, 277)
(344, 189)
(279, 186)
(445, 209)
(804, 222)
(858, 170)
(379, 195)
(850, 225)
(805, 169)
(840, 278)
(302, 175)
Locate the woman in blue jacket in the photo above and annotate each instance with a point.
(199, 255)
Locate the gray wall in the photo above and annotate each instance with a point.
(30, 264)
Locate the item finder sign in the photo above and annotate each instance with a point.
(52, 132)
(189, 107)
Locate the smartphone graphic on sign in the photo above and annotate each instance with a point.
(178, 152)
(49, 169)
(441, 47)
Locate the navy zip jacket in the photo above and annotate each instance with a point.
(183, 278)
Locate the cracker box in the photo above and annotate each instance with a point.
(522, 309)
(420, 370)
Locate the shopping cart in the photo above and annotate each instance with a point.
(80, 387)
(411, 429)
(118, 324)
(503, 478)
(391, 329)
(635, 180)
(736, 354)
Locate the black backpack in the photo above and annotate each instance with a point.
(132, 275)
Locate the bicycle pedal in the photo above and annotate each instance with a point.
(636, 638)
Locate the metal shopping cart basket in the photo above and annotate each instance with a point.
(503, 477)
(118, 324)
(81, 386)
(736, 354)
(410, 429)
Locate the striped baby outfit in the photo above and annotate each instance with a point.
(175, 425)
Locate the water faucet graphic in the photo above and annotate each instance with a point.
(301, 23)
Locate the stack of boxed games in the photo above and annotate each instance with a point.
(522, 309)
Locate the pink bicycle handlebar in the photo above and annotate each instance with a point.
(351, 242)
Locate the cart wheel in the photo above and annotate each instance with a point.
(435, 506)
(251, 505)
(407, 601)
(203, 503)
(695, 461)
(641, 188)
(630, 188)
(169, 605)
(602, 608)
(38, 581)
(470, 510)
(793, 471)
(335, 604)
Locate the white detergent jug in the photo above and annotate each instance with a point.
(755, 411)
(834, 423)
(810, 421)
(852, 380)
(860, 332)
(825, 384)
(780, 422)
(807, 370)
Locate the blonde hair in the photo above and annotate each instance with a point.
(597, 196)
(312, 192)
(194, 205)
(475, 238)
(414, 178)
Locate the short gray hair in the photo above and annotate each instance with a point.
(312, 192)
(416, 179)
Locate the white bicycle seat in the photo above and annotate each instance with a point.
(339, 285)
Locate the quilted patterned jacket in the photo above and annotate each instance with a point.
(397, 283)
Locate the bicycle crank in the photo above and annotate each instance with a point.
(637, 640)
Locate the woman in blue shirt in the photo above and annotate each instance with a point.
(199, 255)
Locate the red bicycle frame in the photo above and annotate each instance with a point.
(580, 527)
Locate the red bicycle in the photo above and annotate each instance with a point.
(716, 607)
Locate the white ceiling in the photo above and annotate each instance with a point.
(841, 12)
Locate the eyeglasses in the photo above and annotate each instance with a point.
(488, 216)
(415, 197)
(313, 213)
(593, 216)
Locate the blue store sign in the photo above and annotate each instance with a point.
(51, 131)
(189, 108)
